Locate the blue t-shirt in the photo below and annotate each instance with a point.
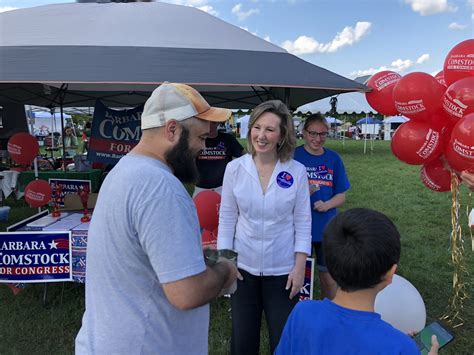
(326, 177)
(323, 327)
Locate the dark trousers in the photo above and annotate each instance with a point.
(256, 294)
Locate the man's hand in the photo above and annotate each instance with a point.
(234, 273)
(468, 178)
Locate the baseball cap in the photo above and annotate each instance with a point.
(179, 102)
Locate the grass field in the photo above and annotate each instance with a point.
(378, 181)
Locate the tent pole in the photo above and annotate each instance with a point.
(287, 97)
(63, 138)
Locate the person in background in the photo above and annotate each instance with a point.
(148, 286)
(220, 149)
(328, 184)
(468, 179)
(70, 142)
(265, 217)
(362, 249)
(85, 137)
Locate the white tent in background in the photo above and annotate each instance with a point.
(353, 102)
(390, 124)
(333, 121)
(44, 123)
(244, 125)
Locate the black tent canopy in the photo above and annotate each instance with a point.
(72, 54)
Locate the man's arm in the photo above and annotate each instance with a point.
(197, 290)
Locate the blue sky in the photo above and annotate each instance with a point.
(350, 37)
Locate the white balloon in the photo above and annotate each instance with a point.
(400, 304)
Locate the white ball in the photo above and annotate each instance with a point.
(400, 304)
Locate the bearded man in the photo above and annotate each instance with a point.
(147, 285)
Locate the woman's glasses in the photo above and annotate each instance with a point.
(314, 134)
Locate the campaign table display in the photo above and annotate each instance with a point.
(44, 248)
(93, 175)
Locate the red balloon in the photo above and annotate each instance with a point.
(435, 176)
(37, 193)
(416, 143)
(459, 62)
(23, 148)
(418, 96)
(380, 98)
(209, 239)
(440, 78)
(460, 150)
(207, 205)
(458, 99)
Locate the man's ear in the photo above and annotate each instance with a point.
(171, 130)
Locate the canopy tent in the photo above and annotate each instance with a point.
(44, 123)
(395, 119)
(369, 120)
(72, 54)
(347, 103)
(333, 121)
(390, 124)
(243, 125)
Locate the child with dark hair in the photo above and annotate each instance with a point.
(362, 250)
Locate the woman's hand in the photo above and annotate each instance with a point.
(295, 281)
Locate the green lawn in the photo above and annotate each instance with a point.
(378, 181)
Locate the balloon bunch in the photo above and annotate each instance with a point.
(440, 133)
(207, 204)
(23, 149)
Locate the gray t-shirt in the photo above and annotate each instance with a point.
(144, 232)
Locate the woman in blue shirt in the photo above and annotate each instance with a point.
(328, 184)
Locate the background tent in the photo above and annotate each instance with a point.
(72, 54)
(44, 123)
(243, 125)
(369, 120)
(333, 121)
(390, 124)
(346, 103)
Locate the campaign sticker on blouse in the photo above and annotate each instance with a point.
(284, 179)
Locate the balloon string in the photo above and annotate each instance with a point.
(453, 315)
(468, 209)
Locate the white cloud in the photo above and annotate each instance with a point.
(431, 7)
(456, 26)
(209, 9)
(242, 15)
(470, 2)
(398, 65)
(7, 8)
(266, 38)
(193, 3)
(423, 58)
(347, 37)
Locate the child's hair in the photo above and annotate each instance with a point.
(315, 117)
(360, 245)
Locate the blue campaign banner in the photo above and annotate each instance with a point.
(67, 186)
(29, 257)
(306, 292)
(113, 133)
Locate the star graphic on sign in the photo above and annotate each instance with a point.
(53, 245)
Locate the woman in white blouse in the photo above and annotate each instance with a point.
(265, 217)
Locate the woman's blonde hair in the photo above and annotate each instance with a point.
(287, 145)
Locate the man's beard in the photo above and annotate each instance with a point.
(182, 160)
